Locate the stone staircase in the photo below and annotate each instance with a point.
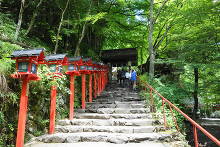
(118, 117)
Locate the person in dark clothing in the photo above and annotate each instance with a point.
(119, 78)
(123, 77)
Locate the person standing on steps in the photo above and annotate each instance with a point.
(123, 77)
(133, 79)
(119, 78)
(127, 78)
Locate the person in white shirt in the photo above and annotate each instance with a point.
(127, 78)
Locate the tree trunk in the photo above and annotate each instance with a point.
(33, 17)
(150, 40)
(195, 93)
(60, 25)
(19, 20)
(77, 51)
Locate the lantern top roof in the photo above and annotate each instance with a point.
(73, 59)
(86, 59)
(55, 57)
(27, 52)
(94, 62)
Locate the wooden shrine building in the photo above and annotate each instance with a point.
(120, 57)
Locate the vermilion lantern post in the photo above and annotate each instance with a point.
(91, 71)
(84, 69)
(95, 70)
(99, 74)
(26, 70)
(73, 65)
(103, 77)
(55, 63)
(100, 80)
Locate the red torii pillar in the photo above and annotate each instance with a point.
(83, 91)
(72, 96)
(90, 87)
(22, 113)
(53, 96)
(95, 86)
(103, 80)
(99, 83)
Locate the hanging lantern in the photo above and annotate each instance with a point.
(27, 61)
(73, 65)
(55, 63)
(86, 66)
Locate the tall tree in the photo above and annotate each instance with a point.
(150, 40)
(195, 93)
(60, 25)
(82, 34)
(195, 40)
(19, 20)
(35, 13)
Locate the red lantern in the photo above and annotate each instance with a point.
(27, 62)
(73, 66)
(26, 69)
(73, 70)
(85, 67)
(55, 63)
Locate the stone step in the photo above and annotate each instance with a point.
(113, 97)
(117, 138)
(106, 122)
(109, 116)
(115, 102)
(96, 106)
(110, 100)
(105, 144)
(109, 129)
(115, 110)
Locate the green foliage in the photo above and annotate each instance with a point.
(96, 17)
(172, 92)
(7, 26)
(185, 35)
